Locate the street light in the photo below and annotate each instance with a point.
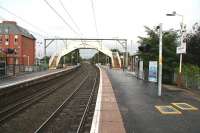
(160, 61)
(182, 46)
(172, 14)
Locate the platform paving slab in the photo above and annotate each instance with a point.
(137, 100)
(107, 117)
(110, 117)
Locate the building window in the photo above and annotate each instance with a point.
(6, 39)
(16, 40)
(0, 39)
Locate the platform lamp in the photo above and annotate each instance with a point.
(160, 60)
(182, 46)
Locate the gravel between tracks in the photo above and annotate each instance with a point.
(31, 118)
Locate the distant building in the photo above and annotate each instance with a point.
(15, 37)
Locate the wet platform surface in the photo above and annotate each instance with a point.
(137, 100)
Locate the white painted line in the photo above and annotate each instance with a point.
(96, 117)
(33, 78)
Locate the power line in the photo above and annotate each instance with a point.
(2, 18)
(36, 33)
(94, 17)
(70, 16)
(36, 27)
(53, 9)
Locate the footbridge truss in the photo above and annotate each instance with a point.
(85, 44)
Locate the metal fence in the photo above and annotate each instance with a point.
(9, 66)
(191, 81)
(17, 69)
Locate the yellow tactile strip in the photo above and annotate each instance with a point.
(167, 109)
(184, 106)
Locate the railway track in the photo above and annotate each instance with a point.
(22, 104)
(12, 94)
(79, 108)
(76, 106)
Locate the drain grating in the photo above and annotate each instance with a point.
(167, 110)
(184, 106)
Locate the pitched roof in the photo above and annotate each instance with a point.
(7, 27)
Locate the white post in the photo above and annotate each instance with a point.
(180, 65)
(179, 79)
(160, 61)
(28, 59)
(182, 28)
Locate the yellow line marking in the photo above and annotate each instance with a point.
(162, 110)
(181, 106)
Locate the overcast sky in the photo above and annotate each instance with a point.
(114, 18)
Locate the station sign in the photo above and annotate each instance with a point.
(182, 48)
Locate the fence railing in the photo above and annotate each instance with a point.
(191, 81)
(17, 69)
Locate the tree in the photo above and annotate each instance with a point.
(193, 47)
(149, 51)
(72, 57)
(100, 57)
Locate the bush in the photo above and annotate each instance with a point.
(191, 75)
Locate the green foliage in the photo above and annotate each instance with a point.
(71, 58)
(45, 59)
(190, 70)
(191, 75)
(100, 57)
(117, 50)
(193, 48)
(170, 59)
(43, 66)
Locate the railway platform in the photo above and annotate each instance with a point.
(107, 117)
(176, 111)
(123, 103)
(30, 77)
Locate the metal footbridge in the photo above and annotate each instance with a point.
(80, 43)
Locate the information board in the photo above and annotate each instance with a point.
(153, 71)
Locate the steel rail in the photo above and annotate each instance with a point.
(87, 106)
(60, 107)
(32, 99)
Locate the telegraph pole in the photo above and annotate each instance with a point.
(160, 61)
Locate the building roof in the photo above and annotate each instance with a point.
(7, 27)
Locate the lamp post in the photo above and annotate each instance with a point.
(160, 61)
(182, 46)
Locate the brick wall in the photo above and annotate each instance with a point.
(25, 47)
(28, 50)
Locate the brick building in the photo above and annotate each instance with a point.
(15, 37)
